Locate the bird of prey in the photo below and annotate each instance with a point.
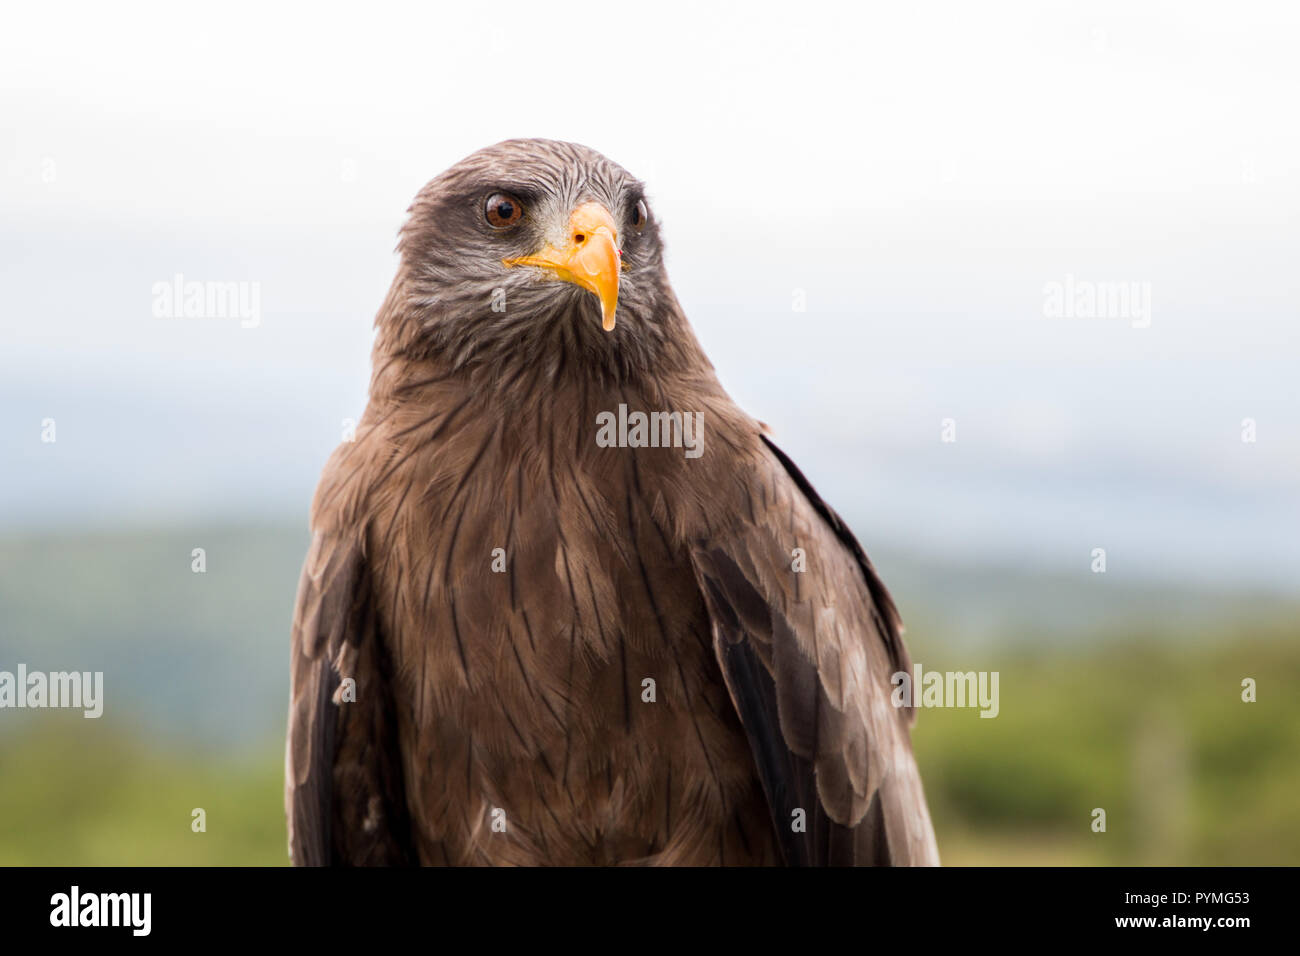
(565, 602)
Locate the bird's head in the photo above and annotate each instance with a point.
(534, 248)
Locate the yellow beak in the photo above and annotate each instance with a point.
(590, 258)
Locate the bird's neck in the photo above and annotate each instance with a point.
(566, 353)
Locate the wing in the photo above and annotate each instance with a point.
(344, 795)
(807, 656)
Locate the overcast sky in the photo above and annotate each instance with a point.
(920, 174)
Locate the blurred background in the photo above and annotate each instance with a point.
(866, 210)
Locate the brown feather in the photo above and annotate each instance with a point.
(521, 691)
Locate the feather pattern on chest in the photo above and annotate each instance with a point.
(547, 629)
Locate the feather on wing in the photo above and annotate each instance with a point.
(807, 657)
(344, 794)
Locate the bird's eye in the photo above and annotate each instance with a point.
(502, 210)
(639, 215)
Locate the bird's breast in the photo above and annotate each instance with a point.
(553, 665)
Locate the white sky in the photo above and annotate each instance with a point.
(920, 170)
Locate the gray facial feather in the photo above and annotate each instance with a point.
(451, 272)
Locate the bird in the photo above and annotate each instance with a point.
(565, 602)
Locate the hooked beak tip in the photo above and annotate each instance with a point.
(590, 258)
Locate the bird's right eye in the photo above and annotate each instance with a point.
(503, 210)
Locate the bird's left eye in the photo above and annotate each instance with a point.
(502, 210)
(639, 215)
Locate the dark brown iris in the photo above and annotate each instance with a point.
(502, 210)
(639, 215)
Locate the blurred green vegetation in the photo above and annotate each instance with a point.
(1155, 734)
(1137, 711)
(75, 794)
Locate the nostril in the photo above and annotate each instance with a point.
(579, 237)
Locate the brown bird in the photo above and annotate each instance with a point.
(565, 602)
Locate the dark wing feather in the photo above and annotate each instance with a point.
(807, 658)
(344, 795)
